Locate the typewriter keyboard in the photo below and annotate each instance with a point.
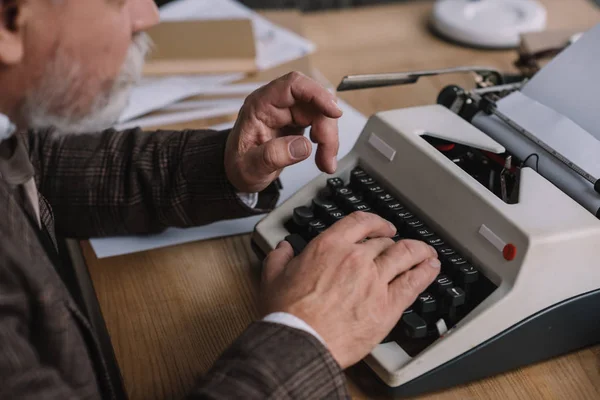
(458, 289)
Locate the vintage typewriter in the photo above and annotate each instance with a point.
(515, 224)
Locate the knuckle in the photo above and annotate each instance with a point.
(270, 157)
(412, 283)
(322, 244)
(356, 256)
(361, 217)
(294, 76)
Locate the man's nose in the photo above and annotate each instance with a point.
(144, 14)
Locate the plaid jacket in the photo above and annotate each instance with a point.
(118, 183)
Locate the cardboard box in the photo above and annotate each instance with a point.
(200, 47)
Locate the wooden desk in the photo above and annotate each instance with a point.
(171, 312)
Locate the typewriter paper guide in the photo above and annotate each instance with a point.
(559, 105)
(569, 83)
(556, 106)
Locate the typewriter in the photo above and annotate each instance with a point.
(520, 281)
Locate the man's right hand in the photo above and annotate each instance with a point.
(351, 291)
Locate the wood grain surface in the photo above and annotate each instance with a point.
(171, 312)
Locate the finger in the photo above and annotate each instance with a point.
(403, 291)
(277, 154)
(309, 91)
(276, 261)
(359, 226)
(374, 247)
(402, 256)
(324, 132)
(294, 88)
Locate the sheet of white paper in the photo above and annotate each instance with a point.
(554, 129)
(293, 178)
(154, 94)
(569, 84)
(198, 104)
(275, 45)
(181, 117)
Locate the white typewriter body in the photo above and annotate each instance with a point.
(557, 241)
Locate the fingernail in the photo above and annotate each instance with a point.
(337, 106)
(433, 250)
(280, 244)
(298, 148)
(334, 164)
(435, 263)
(392, 226)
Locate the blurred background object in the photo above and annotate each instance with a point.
(311, 5)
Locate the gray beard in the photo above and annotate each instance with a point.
(54, 102)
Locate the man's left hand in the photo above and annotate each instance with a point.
(268, 134)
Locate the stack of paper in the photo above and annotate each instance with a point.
(165, 101)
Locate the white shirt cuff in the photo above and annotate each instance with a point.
(249, 199)
(293, 322)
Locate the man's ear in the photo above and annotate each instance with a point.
(11, 32)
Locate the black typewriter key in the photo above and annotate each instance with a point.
(434, 241)
(343, 191)
(357, 173)
(297, 242)
(360, 207)
(413, 325)
(397, 237)
(322, 207)
(383, 198)
(349, 199)
(360, 184)
(335, 183)
(454, 262)
(454, 297)
(412, 225)
(302, 216)
(441, 284)
(335, 216)
(399, 218)
(423, 233)
(467, 274)
(316, 227)
(389, 208)
(444, 252)
(426, 303)
(372, 191)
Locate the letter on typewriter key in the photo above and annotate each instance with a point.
(322, 207)
(413, 325)
(442, 283)
(302, 216)
(426, 303)
(356, 173)
(455, 297)
(361, 207)
(335, 216)
(335, 183)
(468, 274)
(315, 228)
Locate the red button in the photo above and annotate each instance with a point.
(509, 252)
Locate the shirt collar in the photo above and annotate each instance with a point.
(15, 166)
(6, 127)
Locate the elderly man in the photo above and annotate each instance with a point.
(65, 70)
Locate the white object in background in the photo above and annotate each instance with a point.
(154, 94)
(488, 23)
(293, 178)
(181, 117)
(203, 104)
(274, 44)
